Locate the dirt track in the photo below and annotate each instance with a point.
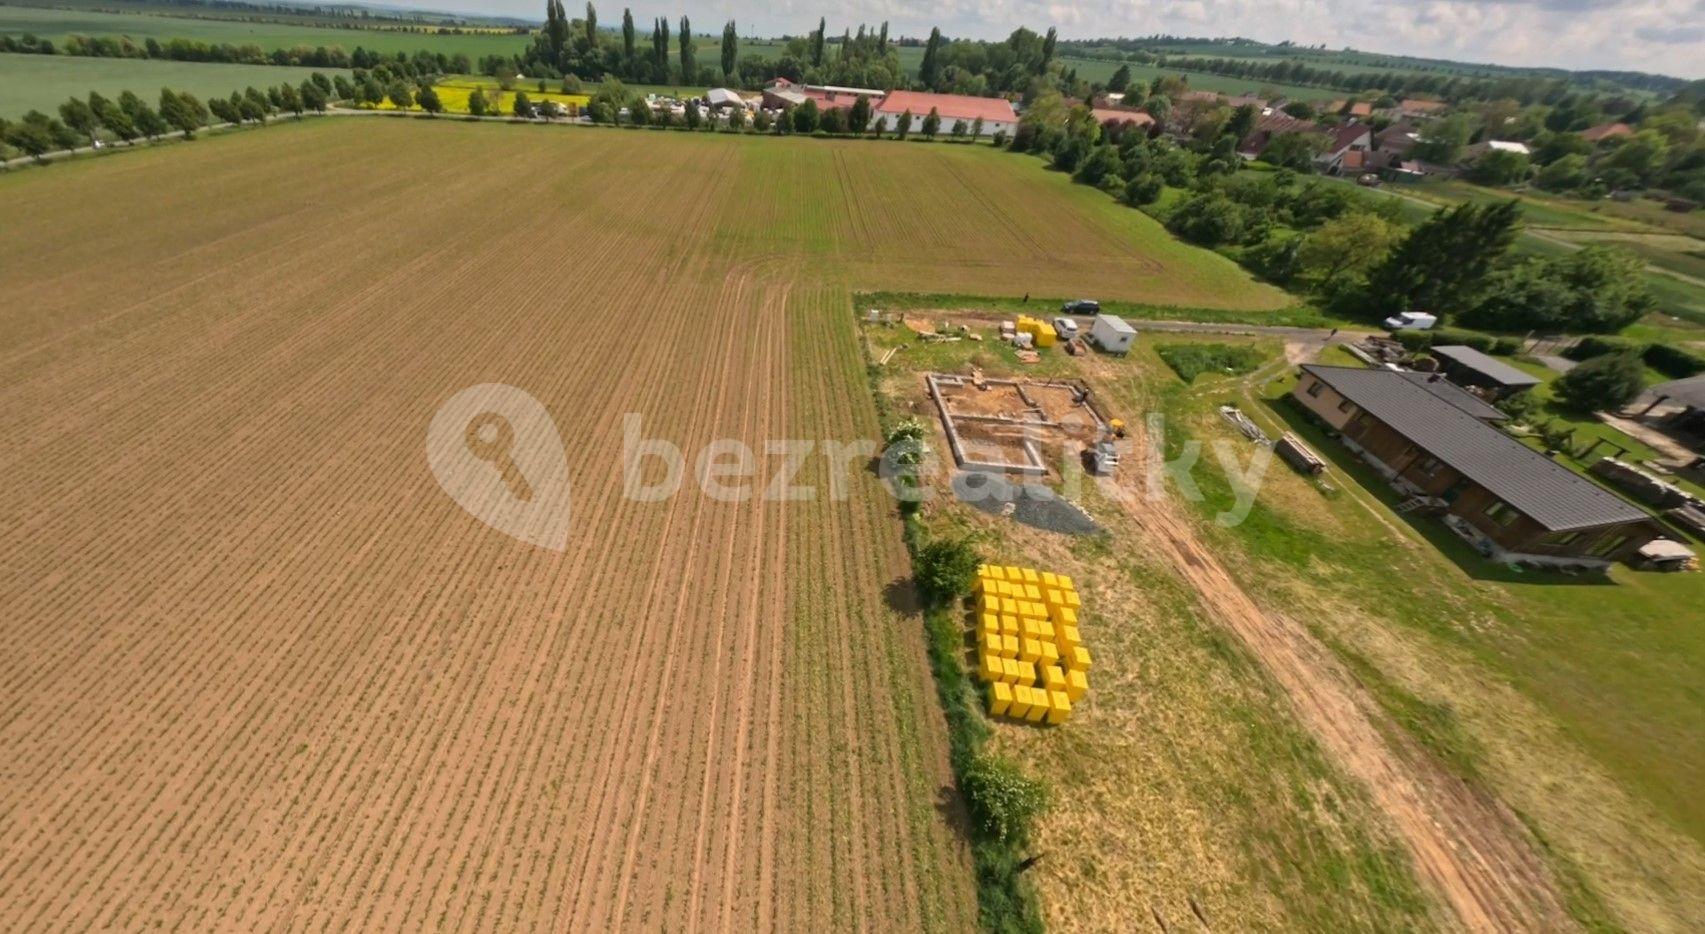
(1470, 849)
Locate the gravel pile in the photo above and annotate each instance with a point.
(1028, 503)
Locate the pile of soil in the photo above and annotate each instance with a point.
(1028, 503)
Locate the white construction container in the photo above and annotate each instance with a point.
(1112, 335)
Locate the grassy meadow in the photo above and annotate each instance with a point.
(43, 82)
(56, 24)
(1574, 699)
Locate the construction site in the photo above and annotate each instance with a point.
(1022, 426)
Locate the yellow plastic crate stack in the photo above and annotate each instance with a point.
(1029, 649)
(1040, 330)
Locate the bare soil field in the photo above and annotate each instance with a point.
(262, 672)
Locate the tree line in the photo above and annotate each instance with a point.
(194, 50)
(82, 121)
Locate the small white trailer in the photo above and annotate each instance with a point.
(1112, 335)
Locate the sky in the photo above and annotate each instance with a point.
(1666, 36)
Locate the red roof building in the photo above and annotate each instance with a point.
(996, 112)
(1113, 117)
(1606, 131)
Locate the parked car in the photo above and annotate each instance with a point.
(1368, 180)
(1411, 321)
(1066, 328)
(1083, 306)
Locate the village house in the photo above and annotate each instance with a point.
(1115, 120)
(1604, 131)
(1415, 109)
(996, 112)
(1341, 141)
(1270, 126)
(1442, 447)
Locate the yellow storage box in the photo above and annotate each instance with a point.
(992, 668)
(991, 643)
(1009, 625)
(1050, 579)
(1077, 684)
(1059, 707)
(1009, 646)
(1020, 704)
(1039, 704)
(1050, 652)
(1000, 698)
(1064, 616)
(1053, 678)
(1079, 659)
(1026, 672)
(1029, 649)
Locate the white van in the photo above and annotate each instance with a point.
(1066, 328)
(1411, 321)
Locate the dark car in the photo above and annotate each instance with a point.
(1083, 306)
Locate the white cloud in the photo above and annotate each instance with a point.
(1641, 35)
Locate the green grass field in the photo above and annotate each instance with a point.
(57, 24)
(43, 82)
(1576, 699)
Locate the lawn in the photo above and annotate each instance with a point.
(56, 24)
(43, 82)
(1515, 679)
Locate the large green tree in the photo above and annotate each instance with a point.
(1347, 245)
(689, 53)
(730, 47)
(1595, 290)
(1443, 263)
(929, 72)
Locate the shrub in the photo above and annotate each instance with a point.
(1605, 382)
(1674, 362)
(1003, 800)
(945, 569)
(1192, 360)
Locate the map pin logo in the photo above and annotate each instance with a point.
(496, 451)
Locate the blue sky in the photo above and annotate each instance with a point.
(1643, 35)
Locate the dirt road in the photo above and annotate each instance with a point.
(1466, 846)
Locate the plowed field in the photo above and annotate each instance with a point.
(261, 671)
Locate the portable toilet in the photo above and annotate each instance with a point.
(1112, 334)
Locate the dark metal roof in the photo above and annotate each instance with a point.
(1493, 369)
(1447, 391)
(1688, 392)
(1540, 488)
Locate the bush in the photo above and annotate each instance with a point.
(1606, 382)
(1593, 346)
(1673, 361)
(1003, 800)
(946, 568)
(1418, 341)
(1192, 360)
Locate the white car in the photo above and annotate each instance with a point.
(1411, 321)
(1066, 328)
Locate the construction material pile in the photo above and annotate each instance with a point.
(1028, 646)
(1041, 332)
